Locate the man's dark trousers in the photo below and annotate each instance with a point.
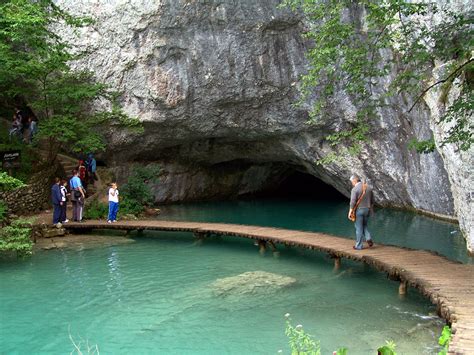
(56, 213)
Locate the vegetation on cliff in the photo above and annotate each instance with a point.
(135, 195)
(14, 234)
(401, 39)
(35, 72)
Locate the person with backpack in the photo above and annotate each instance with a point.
(78, 196)
(113, 203)
(362, 203)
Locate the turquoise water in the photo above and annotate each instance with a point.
(157, 295)
(387, 226)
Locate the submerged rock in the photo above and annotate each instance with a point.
(252, 282)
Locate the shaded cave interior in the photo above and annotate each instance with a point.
(294, 183)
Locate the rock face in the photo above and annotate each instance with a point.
(214, 83)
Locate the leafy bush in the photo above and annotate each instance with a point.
(96, 210)
(136, 194)
(8, 182)
(387, 349)
(444, 339)
(16, 237)
(3, 210)
(131, 206)
(301, 343)
(30, 158)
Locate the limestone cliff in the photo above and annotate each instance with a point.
(214, 83)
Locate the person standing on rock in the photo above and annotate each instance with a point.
(361, 205)
(78, 196)
(57, 201)
(64, 194)
(113, 203)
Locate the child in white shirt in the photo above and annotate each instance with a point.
(113, 203)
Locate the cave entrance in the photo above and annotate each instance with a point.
(301, 185)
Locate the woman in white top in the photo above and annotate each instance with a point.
(64, 195)
(113, 203)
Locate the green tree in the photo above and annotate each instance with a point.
(14, 235)
(35, 69)
(136, 193)
(392, 38)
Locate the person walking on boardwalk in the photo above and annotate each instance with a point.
(113, 203)
(361, 205)
(57, 201)
(78, 196)
(64, 198)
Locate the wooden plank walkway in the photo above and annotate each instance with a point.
(448, 284)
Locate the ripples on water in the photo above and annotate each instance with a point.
(155, 295)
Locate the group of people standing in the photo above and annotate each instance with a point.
(24, 125)
(63, 191)
(360, 207)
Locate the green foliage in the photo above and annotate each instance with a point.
(29, 156)
(394, 37)
(34, 67)
(16, 237)
(8, 182)
(3, 210)
(96, 210)
(300, 342)
(136, 193)
(387, 349)
(423, 147)
(444, 339)
(459, 117)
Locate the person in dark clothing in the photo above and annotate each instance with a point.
(362, 203)
(91, 165)
(23, 119)
(57, 201)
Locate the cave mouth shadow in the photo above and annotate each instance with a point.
(300, 185)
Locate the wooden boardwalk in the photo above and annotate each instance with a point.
(448, 284)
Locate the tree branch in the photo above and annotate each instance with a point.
(440, 82)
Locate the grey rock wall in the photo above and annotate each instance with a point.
(214, 83)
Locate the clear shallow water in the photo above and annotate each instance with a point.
(387, 226)
(155, 296)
